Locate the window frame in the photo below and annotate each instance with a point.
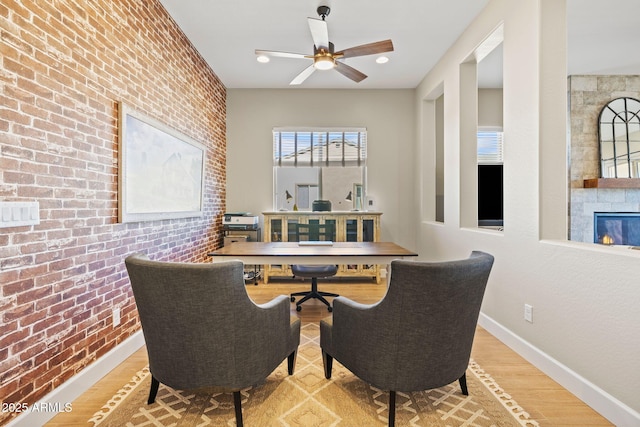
(314, 151)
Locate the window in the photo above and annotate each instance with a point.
(293, 148)
(490, 146)
(319, 164)
(490, 178)
(305, 194)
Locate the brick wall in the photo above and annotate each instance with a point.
(65, 65)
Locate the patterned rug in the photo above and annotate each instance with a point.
(307, 399)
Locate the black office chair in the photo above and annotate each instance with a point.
(311, 232)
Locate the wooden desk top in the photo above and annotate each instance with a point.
(337, 249)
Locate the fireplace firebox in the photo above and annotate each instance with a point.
(617, 228)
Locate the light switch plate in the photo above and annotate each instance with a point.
(18, 214)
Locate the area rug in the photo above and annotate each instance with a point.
(307, 399)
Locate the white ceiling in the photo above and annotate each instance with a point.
(603, 37)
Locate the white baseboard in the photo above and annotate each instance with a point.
(602, 402)
(45, 409)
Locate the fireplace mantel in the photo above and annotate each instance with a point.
(612, 183)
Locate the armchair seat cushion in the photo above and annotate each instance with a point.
(314, 270)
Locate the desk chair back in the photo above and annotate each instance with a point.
(314, 232)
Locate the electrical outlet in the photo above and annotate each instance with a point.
(116, 316)
(528, 313)
(371, 204)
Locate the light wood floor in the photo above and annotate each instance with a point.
(545, 400)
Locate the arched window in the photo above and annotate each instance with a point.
(619, 138)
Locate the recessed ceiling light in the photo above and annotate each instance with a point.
(382, 60)
(263, 59)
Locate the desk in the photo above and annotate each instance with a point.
(294, 253)
(349, 226)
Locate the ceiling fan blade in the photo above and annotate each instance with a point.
(350, 72)
(281, 54)
(366, 49)
(303, 75)
(319, 33)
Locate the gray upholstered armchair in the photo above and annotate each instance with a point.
(202, 329)
(419, 336)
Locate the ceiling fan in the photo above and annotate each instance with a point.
(324, 56)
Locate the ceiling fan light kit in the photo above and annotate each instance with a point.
(324, 63)
(324, 57)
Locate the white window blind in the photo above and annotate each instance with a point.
(490, 146)
(319, 147)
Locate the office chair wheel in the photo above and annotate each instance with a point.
(298, 308)
(329, 309)
(293, 299)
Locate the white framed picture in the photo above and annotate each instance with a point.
(161, 171)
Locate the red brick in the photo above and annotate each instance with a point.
(18, 68)
(17, 312)
(9, 339)
(74, 339)
(46, 323)
(60, 307)
(17, 287)
(18, 178)
(60, 357)
(46, 279)
(46, 355)
(48, 376)
(15, 371)
(58, 124)
(27, 349)
(35, 294)
(8, 327)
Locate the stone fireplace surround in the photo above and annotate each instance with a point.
(586, 201)
(588, 94)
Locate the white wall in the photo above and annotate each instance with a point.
(388, 115)
(490, 108)
(585, 297)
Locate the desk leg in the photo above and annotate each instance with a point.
(255, 274)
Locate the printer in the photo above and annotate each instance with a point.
(240, 221)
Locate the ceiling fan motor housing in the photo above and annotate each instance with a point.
(326, 52)
(323, 11)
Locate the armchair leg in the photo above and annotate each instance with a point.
(155, 384)
(392, 408)
(237, 403)
(327, 361)
(291, 362)
(463, 384)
